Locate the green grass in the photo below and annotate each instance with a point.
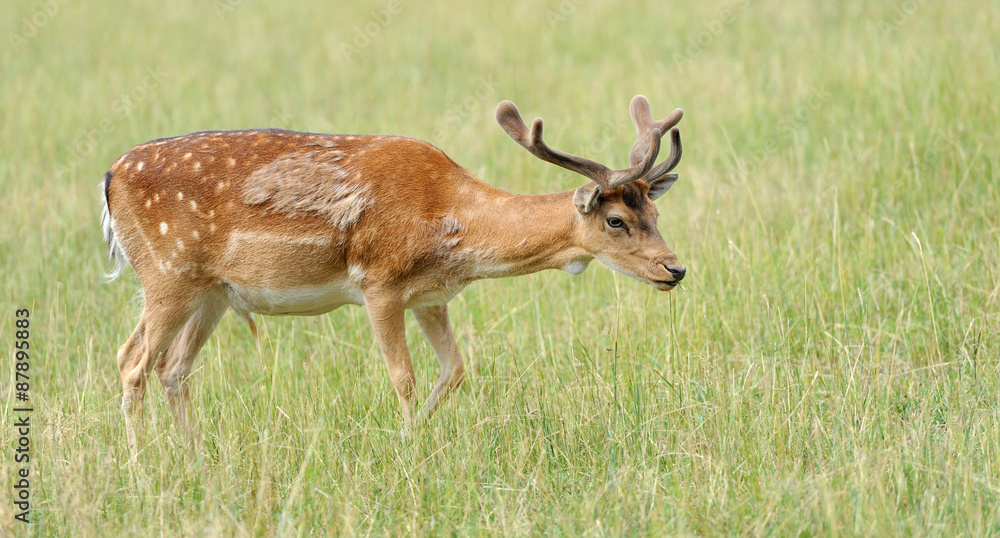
(831, 367)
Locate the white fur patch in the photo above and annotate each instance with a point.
(355, 275)
(576, 267)
(313, 182)
(302, 301)
(450, 226)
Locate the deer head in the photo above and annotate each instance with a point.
(617, 217)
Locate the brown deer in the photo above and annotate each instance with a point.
(285, 223)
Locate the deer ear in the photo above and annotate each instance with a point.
(659, 186)
(587, 197)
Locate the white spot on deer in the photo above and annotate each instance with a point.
(156, 197)
(194, 205)
(127, 164)
(140, 165)
(187, 156)
(231, 161)
(180, 196)
(450, 226)
(180, 245)
(322, 141)
(312, 183)
(167, 264)
(196, 166)
(355, 274)
(220, 186)
(576, 267)
(149, 203)
(211, 227)
(164, 228)
(211, 213)
(195, 235)
(484, 263)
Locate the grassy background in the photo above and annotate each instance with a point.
(831, 366)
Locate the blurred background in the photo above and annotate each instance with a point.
(829, 367)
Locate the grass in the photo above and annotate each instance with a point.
(830, 369)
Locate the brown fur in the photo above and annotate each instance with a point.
(280, 222)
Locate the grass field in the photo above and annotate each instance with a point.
(832, 366)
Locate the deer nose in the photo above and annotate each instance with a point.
(677, 272)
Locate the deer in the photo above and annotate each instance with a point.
(277, 222)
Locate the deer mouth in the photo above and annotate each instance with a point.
(663, 285)
(660, 285)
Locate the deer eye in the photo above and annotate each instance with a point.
(615, 222)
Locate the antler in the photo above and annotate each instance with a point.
(510, 119)
(644, 124)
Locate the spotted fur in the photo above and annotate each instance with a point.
(286, 223)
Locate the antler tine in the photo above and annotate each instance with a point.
(671, 161)
(510, 120)
(631, 174)
(643, 120)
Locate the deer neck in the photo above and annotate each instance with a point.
(510, 235)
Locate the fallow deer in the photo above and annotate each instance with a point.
(278, 222)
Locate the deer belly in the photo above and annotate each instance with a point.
(435, 296)
(298, 301)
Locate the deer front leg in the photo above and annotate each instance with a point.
(386, 316)
(434, 322)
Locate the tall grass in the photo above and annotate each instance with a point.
(831, 366)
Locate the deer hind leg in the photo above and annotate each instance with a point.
(436, 326)
(175, 366)
(162, 317)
